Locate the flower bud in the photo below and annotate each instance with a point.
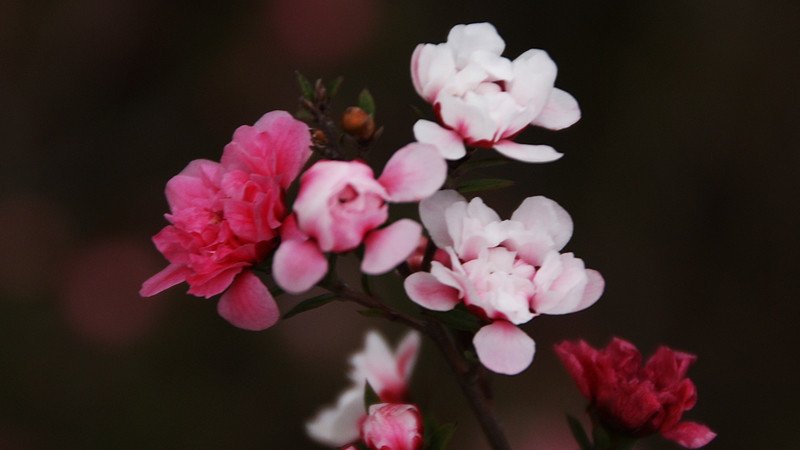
(356, 122)
(393, 426)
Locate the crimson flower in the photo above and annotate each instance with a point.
(632, 399)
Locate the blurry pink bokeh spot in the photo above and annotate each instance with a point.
(313, 32)
(100, 292)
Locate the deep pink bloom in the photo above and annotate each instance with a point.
(392, 426)
(341, 204)
(225, 218)
(504, 271)
(633, 399)
(483, 99)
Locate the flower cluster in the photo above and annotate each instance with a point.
(632, 399)
(482, 99)
(387, 374)
(230, 217)
(504, 271)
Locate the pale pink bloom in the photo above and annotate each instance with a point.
(482, 99)
(225, 218)
(392, 426)
(341, 204)
(386, 372)
(504, 271)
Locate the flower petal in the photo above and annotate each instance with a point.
(449, 143)
(526, 152)
(542, 214)
(432, 213)
(298, 265)
(425, 290)
(339, 425)
(387, 247)
(504, 348)
(414, 172)
(247, 304)
(690, 434)
(168, 277)
(561, 111)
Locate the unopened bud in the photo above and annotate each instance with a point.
(356, 122)
(318, 138)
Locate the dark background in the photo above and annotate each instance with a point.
(681, 179)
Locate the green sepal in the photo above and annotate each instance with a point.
(305, 86)
(483, 163)
(333, 86)
(441, 437)
(483, 184)
(578, 433)
(370, 396)
(366, 102)
(457, 318)
(602, 440)
(309, 304)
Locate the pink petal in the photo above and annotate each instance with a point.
(534, 75)
(560, 111)
(387, 247)
(542, 214)
(504, 348)
(432, 213)
(593, 291)
(247, 304)
(168, 277)
(425, 290)
(449, 143)
(414, 172)
(526, 152)
(690, 434)
(298, 265)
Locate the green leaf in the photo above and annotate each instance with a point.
(602, 440)
(305, 86)
(416, 112)
(578, 433)
(309, 304)
(370, 396)
(441, 437)
(366, 102)
(483, 184)
(333, 87)
(457, 318)
(483, 163)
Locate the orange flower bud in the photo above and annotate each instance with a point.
(356, 122)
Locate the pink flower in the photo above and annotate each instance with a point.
(505, 272)
(386, 372)
(340, 205)
(483, 99)
(393, 427)
(225, 216)
(633, 399)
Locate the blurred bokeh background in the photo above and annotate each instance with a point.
(681, 178)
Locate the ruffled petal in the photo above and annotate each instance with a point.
(560, 111)
(425, 290)
(298, 265)
(414, 172)
(387, 247)
(504, 348)
(247, 304)
(449, 143)
(690, 434)
(526, 152)
(168, 277)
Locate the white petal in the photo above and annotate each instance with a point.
(504, 348)
(432, 213)
(526, 152)
(449, 143)
(560, 111)
(414, 172)
(339, 425)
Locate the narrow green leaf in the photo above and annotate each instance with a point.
(601, 438)
(370, 396)
(416, 112)
(366, 102)
(309, 304)
(333, 87)
(457, 318)
(483, 163)
(441, 437)
(578, 433)
(305, 86)
(483, 184)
